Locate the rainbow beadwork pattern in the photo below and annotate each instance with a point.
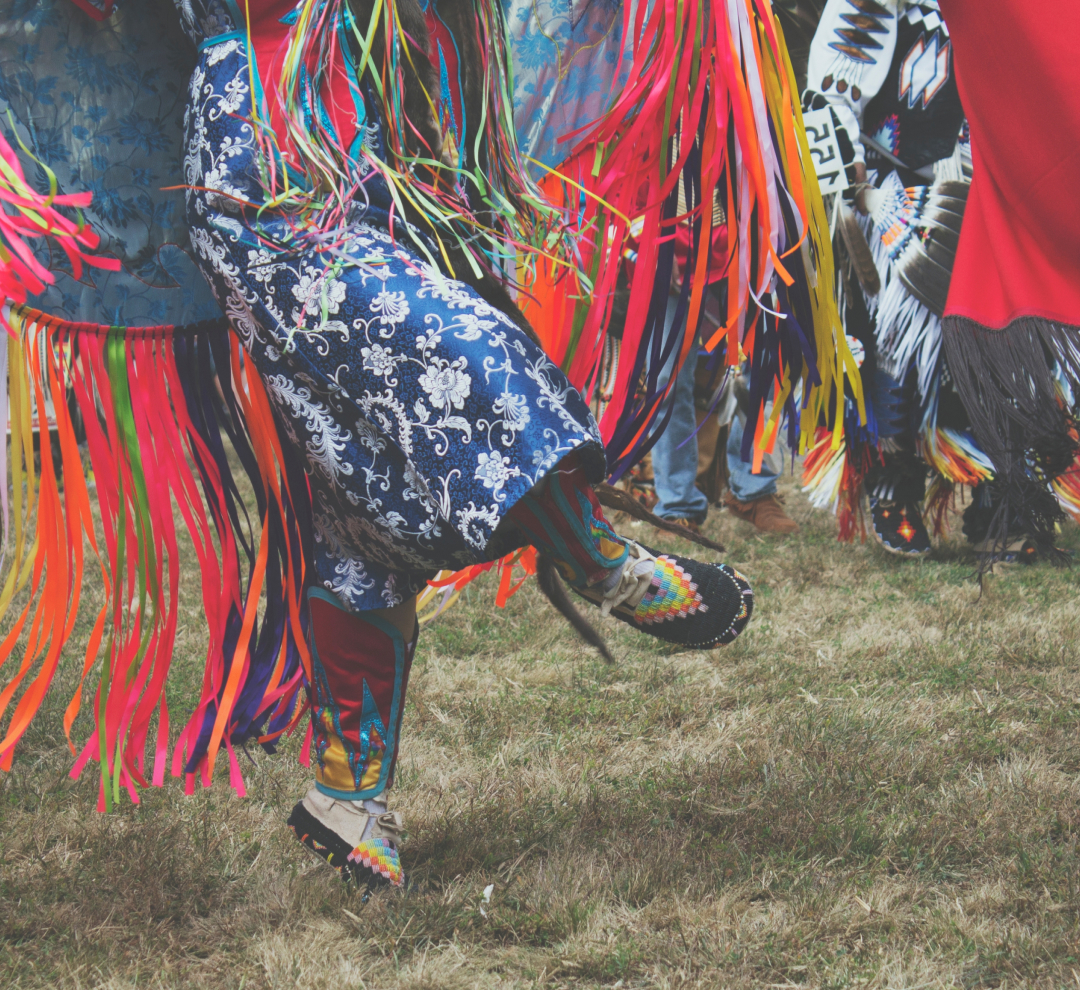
(672, 595)
(381, 858)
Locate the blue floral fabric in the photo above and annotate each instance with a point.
(424, 414)
(565, 57)
(101, 102)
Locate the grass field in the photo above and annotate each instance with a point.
(876, 785)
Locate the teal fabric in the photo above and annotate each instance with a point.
(102, 102)
(565, 57)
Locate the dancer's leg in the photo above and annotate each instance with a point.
(675, 453)
(896, 489)
(562, 516)
(361, 664)
(753, 497)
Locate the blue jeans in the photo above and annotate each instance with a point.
(675, 454)
(674, 466)
(746, 486)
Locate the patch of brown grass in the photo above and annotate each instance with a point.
(875, 786)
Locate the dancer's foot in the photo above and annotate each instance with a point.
(766, 513)
(899, 527)
(676, 599)
(358, 839)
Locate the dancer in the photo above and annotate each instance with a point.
(353, 192)
(1011, 319)
(677, 466)
(886, 71)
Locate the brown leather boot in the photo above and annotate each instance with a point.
(667, 534)
(765, 513)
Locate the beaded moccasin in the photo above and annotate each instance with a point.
(368, 855)
(899, 527)
(686, 602)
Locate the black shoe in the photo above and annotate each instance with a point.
(899, 527)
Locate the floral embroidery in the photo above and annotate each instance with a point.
(494, 471)
(446, 383)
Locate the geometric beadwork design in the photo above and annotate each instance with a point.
(856, 38)
(672, 595)
(381, 858)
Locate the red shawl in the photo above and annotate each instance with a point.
(1018, 70)
(1012, 322)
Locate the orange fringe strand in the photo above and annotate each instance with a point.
(148, 404)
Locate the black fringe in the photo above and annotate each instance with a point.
(1006, 381)
(547, 576)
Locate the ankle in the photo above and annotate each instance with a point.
(375, 807)
(627, 583)
(353, 819)
(613, 578)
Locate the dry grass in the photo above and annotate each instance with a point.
(876, 785)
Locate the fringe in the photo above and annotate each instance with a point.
(473, 196)
(1067, 490)
(709, 116)
(823, 472)
(955, 457)
(27, 214)
(1008, 382)
(158, 406)
(835, 480)
(907, 331)
(456, 580)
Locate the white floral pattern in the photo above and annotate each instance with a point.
(422, 412)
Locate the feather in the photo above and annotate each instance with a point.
(925, 262)
(614, 498)
(551, 585)
(859, 251)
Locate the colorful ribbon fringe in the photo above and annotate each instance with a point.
(709, 104)
(28, 214)
(153, 405)
(1067, 490)
(489, 209)
(833, 478)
